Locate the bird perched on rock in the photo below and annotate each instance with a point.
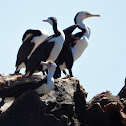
(39, 85)
(31, 39)
(48, 50)
(74, 46)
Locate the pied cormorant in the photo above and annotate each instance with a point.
(75, 45)
(48, 50)
(30, 41)
(38, 84)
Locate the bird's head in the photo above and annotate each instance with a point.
(83, 15)
(51, 20)
(50, 64)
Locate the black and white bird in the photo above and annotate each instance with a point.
(31, 39)
(39, 85)
(39, 35)
(75, 45)
(48, 50)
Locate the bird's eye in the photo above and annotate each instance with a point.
(49, 62)
(87, 13)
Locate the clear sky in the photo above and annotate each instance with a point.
(103, 64)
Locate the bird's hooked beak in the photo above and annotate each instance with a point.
(45, 20)
(94, 15)
(46, 63)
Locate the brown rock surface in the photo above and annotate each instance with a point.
(7, 79)
(64, 106)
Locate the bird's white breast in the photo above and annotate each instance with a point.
(57, 47)
(79, 48)
(38, 40)
(45, 88)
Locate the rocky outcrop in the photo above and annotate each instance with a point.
(7, 79)
(66, 105)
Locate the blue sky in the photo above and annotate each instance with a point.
(103, 64)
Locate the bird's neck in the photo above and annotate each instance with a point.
(55, 29)
(81, 24)
(84, 27)
(50, 74)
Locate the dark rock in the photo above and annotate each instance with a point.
(103, 98)
(110, 107)
(113, 109)
(56, 107)
(95, 116)
(122, 93)
(80, 103)
(29, 110)
(60, 100)
(24, 111)
(64, 106)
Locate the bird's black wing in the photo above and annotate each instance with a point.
(79, 35)
(66, 54)
(41, 53)
(68, 31)
(19, 87)
(75, 37)
(66, 47)
(24, 50)
(30, 33)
